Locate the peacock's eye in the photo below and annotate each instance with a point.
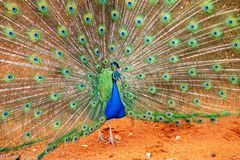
(71, 9)
(14, 9)
(230, 21)
(43, 8)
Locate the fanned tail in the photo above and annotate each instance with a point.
(179, 60)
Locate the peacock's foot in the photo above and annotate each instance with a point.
(100, 137)
(112, 140)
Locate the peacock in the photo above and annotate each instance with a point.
(69, 66)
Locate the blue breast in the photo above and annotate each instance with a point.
(115, 107)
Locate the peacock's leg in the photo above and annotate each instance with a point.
(111, 140)
(132, 122)
(100, 136)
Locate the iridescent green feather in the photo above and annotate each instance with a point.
(42, 6)
(232, 21)
(193, 26)
(128, 50)
(112, 47)
(55, 96)
(82, 39)
(105, 84)
(62, 31)
(130, 3)
(166, 17)
(216, 33)
(115, 15)
(71, 7)
(39, 78)
(101, 30)
(34, 59)
(123, 33)
(170, 2)
(34, 35)
(81, 86)
(166, 76)
(66, 72)
(139, 20)
(152, 2)
(208, 7)
(88, 18)
(236, 44)
(11, 7)
(9, 32)
(174, 42)
(152, 90)
(58, 54)
(148, 39)
(102, 2)
(8, 77)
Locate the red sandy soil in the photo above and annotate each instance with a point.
(206, 141)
